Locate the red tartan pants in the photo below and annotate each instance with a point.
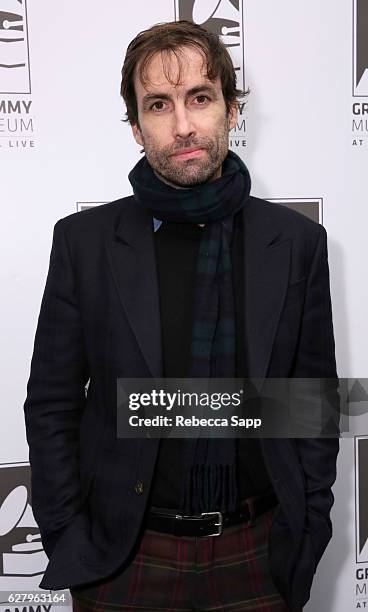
(166, 573)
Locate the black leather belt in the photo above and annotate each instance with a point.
(207, 523)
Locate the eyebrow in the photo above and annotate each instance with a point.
(164, 96)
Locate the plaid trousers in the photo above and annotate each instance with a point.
(167, 573)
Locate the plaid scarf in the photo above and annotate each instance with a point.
(209, 464)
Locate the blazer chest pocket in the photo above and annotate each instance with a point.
(295, 292)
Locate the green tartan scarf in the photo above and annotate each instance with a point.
(209, 464)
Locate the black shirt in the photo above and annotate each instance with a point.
(176, 246)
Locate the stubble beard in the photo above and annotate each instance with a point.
(189, 172)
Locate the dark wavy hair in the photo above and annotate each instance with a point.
(169, 38)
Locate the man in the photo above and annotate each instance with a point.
(133, 292)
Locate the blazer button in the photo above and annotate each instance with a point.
(138, 487)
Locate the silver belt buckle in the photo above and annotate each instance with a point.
(219, 524)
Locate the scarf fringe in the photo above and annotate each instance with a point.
(214, 486)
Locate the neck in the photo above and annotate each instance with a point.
(164, 180)
(210, 202)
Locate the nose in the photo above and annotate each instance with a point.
(183, 126)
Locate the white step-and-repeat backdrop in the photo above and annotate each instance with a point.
(63, 146)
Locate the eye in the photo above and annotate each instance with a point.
(202, 96)
(154, 104)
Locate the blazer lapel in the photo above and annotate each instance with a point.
(267, 262)
(131, 255)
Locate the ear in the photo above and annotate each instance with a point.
(233, 115)
(137, 134)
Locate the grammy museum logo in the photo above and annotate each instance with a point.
(22, 557)
(360, 73)
(16, 117)
(85, 205)
(360, 52)
(310, 207)
(225, 18)
(361, 498)
(361, 521)
(14, 52)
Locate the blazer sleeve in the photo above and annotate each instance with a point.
(56, 398)
(315, 358)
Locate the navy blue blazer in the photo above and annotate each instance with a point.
(100, 320)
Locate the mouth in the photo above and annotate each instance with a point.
(187, 153)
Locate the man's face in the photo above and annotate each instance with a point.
(189, 115)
